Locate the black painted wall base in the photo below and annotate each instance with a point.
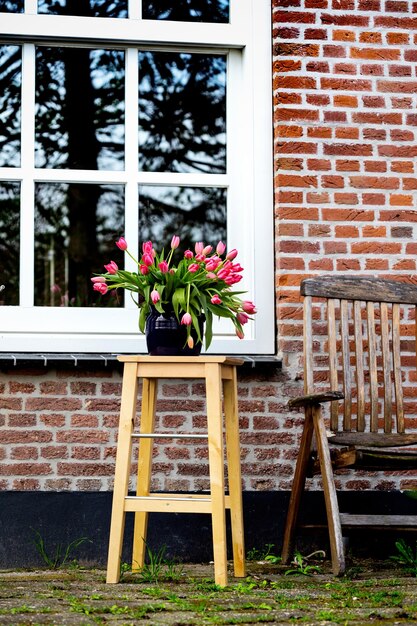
(61, 518)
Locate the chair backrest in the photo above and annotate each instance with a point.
(361, 332)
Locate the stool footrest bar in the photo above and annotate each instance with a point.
(166, 436)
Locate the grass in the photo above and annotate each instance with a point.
(266, 595)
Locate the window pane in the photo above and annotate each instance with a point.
(9, 242)
(11, 6)
(88, 8)
(79, 108)
(76, 226)
(191, 11)
(182, 112)
(195, 214)
(10, 104)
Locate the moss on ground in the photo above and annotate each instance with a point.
(374, 592)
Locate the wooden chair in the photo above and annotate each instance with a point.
(360, 341)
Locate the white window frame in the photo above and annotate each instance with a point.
(246, 41)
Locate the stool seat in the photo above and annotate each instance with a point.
(219, 374)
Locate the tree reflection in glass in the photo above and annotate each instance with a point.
(86, 8)
(11, 6)
(182, 112)
(79, 108)
(10, 105)
(76, 226)
(186, 10)
(9, 242)
(193, 213)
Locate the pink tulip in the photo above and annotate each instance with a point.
(207, 250)
(236, 267)
(163, 266)
(190, 342)
(211, 275)
(188, 254)
(232, 254)
(112, 267)
(147, 247)
(212, 264)
(97, 279)
(175, 242)
(240, 333)
(220, 248)
(155, 297)
(194, 267)
(199, 247)
(216, 300)
(57, 289)
(101, 287)
(200, 257)
(242, 318)
(223, 273)
(249, 307)
(186, 319)
(147, 258)
(232, 279)
(121, 243)
(144, 269)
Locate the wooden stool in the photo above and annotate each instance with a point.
(218, 372)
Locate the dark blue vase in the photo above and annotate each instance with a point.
(165, 336)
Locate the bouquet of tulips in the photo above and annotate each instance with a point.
(200, 283)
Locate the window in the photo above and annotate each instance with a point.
(142, 119)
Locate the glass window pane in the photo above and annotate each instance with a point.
(9, 242)
(182, 112)
(10, 105)
(192, 213)
(190, 11)
(86, 8)
(79, 108)
(76, 226)
(11, 6)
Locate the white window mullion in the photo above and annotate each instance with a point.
(31, 7)
(134, 9)
(27, 198)
(131, 158)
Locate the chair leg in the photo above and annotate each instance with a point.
(297, 488)
(330, 496)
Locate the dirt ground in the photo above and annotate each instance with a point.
(371, 592)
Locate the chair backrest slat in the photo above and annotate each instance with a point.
(360, 378)
(334, 383)
(347, 372)
(308, 347)
(396, 357)
(373, 372)
(386, 367)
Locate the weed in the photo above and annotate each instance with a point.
(60, 557)
(301, 566)
(157, 566)
(259, 555)
(406, 557)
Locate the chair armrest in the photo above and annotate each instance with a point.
(315, 398)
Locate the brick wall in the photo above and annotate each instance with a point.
(345, 94)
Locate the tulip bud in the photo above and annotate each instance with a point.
(188, 254)
(163, 266)
(231, 255)
(199, 246)
(121, 243)
(240, 333)
(190, 342)
(249, 307)
(101, 288)
(220, 248)
(216, 300)
(242, 318)
(112, 267)
(194, 267)
(186, 319)
(175, 242)
(155, 297)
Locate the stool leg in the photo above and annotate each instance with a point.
(234, 474)
(122, 470)
(216, 466)
(147, 425)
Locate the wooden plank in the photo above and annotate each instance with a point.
(147, 425)
(308, 347)
(366, 288)
(147, 505)
(405, 521)
(234, 475)
(216, 467)
(334, 383)
(375, 440)
(347, 370)
(330, 496)
(360, 378)
(373, 374)
(386, 367)
(315, 398)
(396, 356)
(143, 358)
(122, 470)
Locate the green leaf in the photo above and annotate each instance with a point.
(142, 317)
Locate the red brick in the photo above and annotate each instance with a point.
(347, 165)
(365, 182)
(370, 37)
(375, 54)
(345, 149)
(286, 33)
(299, 17)
(351, 84)
(318, 165)
(53, 404)
(375, 166)
(21, 387)
(287, 65)
(344, 35)
(408, 86)
(25, 469)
